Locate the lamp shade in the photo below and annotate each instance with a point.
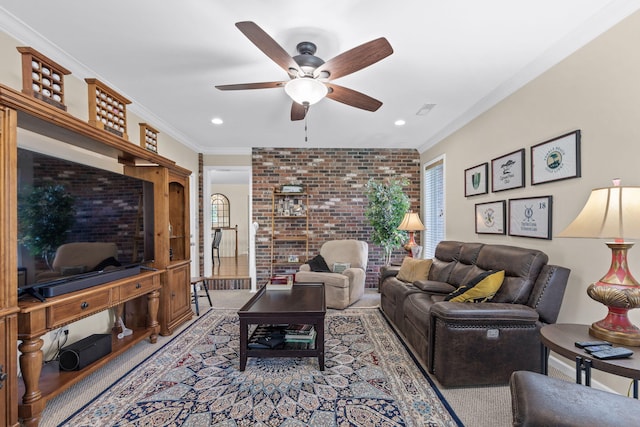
(306, 90)
(611, 212)
(411, 222)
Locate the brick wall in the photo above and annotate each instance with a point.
(335, 180)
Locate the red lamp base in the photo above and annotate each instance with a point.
(620, 292)
(409, 244)
(616, 328)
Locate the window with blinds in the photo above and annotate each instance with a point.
(433, 205)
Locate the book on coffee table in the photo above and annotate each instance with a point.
(280, 283)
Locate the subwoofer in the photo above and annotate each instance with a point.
(84, 352)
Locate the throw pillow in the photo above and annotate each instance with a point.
(479, 289)
(317, 263)
(339, 267)
(414, 269)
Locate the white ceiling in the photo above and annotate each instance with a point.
(166, 57)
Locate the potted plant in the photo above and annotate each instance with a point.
(387, 205)
(46, 214)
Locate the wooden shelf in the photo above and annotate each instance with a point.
(290, 239)
(148, 137)
(287, 263)
(42, 78)
(107, 108)
(289, 216)
(53, 381)
(41, 118)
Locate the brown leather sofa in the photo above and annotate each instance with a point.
(477, 343)
(538, 400)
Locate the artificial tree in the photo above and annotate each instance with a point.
(46, 214)
(387, 205)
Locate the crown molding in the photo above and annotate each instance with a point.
(598, 24)
(25, 34)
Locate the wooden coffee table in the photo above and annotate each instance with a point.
(303, 304)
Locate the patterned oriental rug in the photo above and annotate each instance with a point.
(369, 380)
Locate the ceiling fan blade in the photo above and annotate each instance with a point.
(298, 111)
(352, 97)
(243, 86)
(356, 59)
(269, 46)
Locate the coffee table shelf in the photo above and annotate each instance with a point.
(303, 304)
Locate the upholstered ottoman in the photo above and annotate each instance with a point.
(539, 400)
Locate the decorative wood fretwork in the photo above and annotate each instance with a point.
(107, 108)
(42, 78)
(148, 137)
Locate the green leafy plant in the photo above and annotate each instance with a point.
(387, 205)
(46, 214)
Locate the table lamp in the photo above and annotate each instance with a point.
(612, 213)
(411, 223)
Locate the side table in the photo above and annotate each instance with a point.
(561, 338)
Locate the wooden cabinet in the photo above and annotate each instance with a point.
(37, 318)
(176, 301)
(147, 295)
(172, 241)
(8, 372)
(289, 231)
(178, 218)
(8, 269)
(176, 307)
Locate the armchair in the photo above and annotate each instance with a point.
(345, 288)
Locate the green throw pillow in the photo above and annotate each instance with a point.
(339, 267)
(479, 289)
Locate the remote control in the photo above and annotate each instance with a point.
(613, 353)
(594, 348)
(583, 344)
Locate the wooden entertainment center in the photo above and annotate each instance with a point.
(152, 302)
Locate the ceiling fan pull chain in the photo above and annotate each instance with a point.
(306, 114)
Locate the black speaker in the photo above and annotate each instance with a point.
(84, 352)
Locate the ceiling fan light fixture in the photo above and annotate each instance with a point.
(306, 90)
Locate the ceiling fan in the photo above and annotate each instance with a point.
(311, 77)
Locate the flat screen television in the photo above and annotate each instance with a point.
(61, 201)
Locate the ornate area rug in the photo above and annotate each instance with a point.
(369, 380)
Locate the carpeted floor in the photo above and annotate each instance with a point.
(475, 406)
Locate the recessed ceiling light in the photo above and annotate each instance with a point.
(217, 121)
(399, 122)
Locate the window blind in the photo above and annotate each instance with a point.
(434, 206)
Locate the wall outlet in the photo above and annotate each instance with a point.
(57, 333)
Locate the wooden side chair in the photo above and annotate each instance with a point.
(194, 285)
(215, 246)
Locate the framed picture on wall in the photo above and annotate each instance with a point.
(476, 180)
(507, 172)
(531, 217)
(491, 217)
(556, 159)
